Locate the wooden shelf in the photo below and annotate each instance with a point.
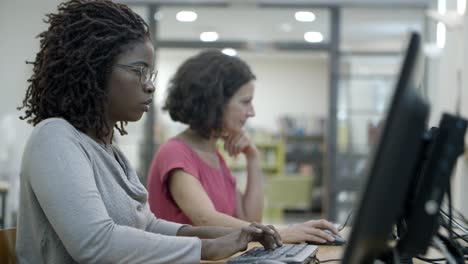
(307, 138)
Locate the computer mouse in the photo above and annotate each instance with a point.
(339, 240)
(269, 261)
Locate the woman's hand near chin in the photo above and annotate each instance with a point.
(250, 203)
(240, 143)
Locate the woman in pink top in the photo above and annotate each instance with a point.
(189, 181)
(218, 183)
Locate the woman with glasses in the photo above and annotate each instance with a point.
(189, 181)
(80, 199)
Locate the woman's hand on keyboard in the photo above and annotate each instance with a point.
(312, 230)
(268, 236)
(225, 246)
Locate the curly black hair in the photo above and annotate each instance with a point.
(72, 66)
(201, 88)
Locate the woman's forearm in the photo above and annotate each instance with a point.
(252, 199)
(214, 218)
(205, 231)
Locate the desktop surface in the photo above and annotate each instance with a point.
(323, 253)
(287, 253)
(326, 252)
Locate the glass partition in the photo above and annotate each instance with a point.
(372, 42)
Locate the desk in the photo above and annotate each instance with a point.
(324, 253)
(335, 252)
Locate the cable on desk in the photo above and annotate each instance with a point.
(318, 261)
(432, 260)
(457, 224)
(454, 252)
(346, 221)
(455, 235)
(449, 248)
(459, 215)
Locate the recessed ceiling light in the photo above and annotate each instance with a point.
(209, 36)
(461, 6)
(229, 51)
(313, 36)
(158, 16)
(442, 6)
(304, 16)
(186, 16)
(440, 35)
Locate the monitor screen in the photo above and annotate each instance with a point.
(392, 165)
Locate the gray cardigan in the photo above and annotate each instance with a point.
(79, 204)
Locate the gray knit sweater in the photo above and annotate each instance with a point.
(80, 204)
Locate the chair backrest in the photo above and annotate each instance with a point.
(7, 246)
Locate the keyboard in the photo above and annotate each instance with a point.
(288, 253)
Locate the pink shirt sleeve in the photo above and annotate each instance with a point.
(219, 184)
(174, 155)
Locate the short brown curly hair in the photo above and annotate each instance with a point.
(72, 66)
(201, 88)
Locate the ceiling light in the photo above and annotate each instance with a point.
(158, 16)
(461, 6)
(186, 16)
(442, 6)
(229, 51)
(440, 35)
(209, 36)
(304, 16)
(313, 36)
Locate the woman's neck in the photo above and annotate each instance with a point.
(106, 139)
(199, 142)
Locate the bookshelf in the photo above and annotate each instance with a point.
(305, 157)
(271, 154)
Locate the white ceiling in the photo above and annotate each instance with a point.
(240, 23)
(362, 29)
(407, 3)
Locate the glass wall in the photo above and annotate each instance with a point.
(371, 48)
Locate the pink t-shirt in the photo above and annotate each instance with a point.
(219, 184)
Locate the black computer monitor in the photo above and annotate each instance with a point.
(421, 219)
(393, 163)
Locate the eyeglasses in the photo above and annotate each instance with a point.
(145, 74)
